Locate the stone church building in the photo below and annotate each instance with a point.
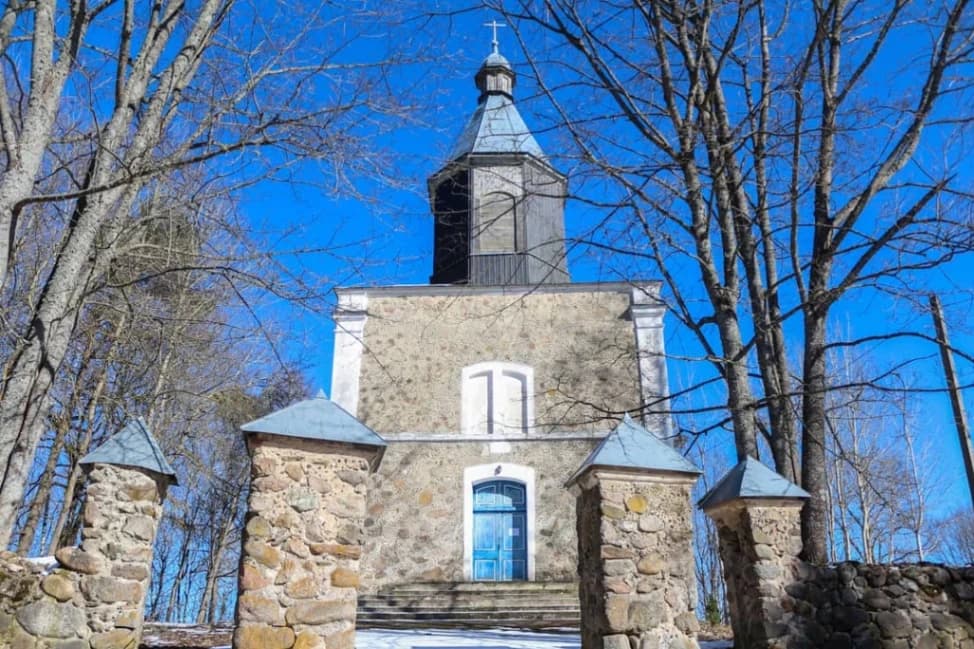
(492, 383)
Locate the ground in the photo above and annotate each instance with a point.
(491, 639)
(182, 636)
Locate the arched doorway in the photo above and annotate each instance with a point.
(503, 513)
(500, 551)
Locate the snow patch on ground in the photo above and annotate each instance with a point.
(47, 564)
(482, 639)
(488, 639)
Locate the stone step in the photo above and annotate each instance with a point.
(513, 594)
(446, 600)
(492, 606)
(527, 605)
(487, 586)
(507, 619)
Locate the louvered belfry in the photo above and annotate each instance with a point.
(498, 203)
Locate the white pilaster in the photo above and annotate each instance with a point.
(350, 317)
(647, 319)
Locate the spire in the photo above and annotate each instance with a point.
(496, 126)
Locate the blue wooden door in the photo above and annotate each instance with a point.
(500, 531)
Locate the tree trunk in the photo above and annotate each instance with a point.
(70, 491)
(814, 524)
(40, 502)
(207, 604)
(26, 154)
(61, 429)
(177, 584)
(26, 396)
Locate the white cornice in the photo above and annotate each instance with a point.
(480, 439)
(646, 289)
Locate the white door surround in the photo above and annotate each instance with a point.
(474, 475)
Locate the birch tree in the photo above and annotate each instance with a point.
(769, 161)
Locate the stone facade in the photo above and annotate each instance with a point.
(96, 598)
(580, 343)
(635, 543)
(780, 602)
(400, 358)
(415, 522)
(299, 569)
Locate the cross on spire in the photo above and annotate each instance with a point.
(494, 25)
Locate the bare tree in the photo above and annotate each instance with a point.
(958, 534)
(764, 159)
(880, 499)
(89, 123)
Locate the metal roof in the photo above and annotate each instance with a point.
(318, 418)
(631, 446)
(496, 127)
(134, 446)
(751, 479)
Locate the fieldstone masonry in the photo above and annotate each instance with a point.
(414, 525)
(636, 565)
(299, 569)
(95, 598)
(920, 606)
(779, 602)
(759, 545)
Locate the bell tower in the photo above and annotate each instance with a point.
(498, 203)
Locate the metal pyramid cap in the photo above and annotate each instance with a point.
(133, 446)
(496, 127)
(319, 419)
(751, 479)
(630, 446)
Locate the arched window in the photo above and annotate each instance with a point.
(497, 399)
(494, 230)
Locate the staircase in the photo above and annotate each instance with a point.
(472, 605)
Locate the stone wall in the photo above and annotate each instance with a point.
(39, 610)
(95, 598)
(581, 344)
(299, 570)
(414, 525)
(638, 586)
(778, 601)
(920, 606)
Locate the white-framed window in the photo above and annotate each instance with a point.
(497, 399)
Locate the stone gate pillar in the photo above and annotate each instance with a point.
(127, 482)
(302, 541)
(757, 513)
(635, 543)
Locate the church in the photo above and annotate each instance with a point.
(492, 383)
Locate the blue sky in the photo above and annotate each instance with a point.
(385, 235)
